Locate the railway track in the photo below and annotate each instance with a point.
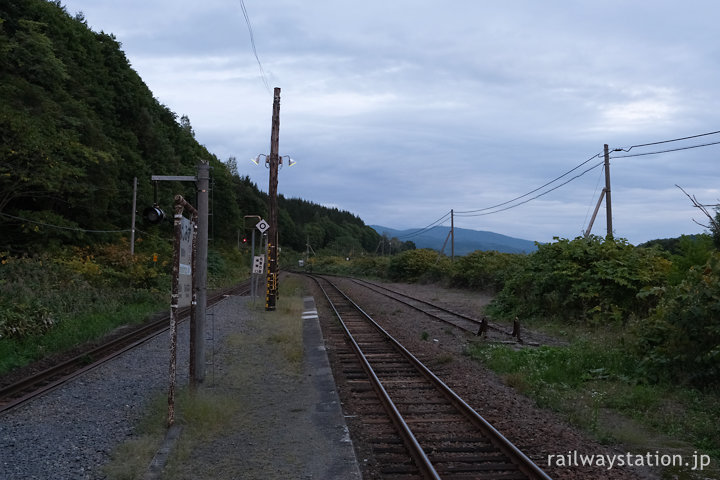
(419, 428)
(48, 379)
(445, 315)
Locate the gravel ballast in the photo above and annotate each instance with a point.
(295, 426)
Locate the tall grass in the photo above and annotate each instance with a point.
(591, 381)
(52, 303)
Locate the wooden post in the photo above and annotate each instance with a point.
(274, 164)
(452, 232)
(608, 202)
(592, 219)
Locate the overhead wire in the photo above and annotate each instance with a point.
(667, 141)
(530, 199)
(662, 151)
(60, 227)
(597, 155)
(252, 43)
(511, 203)
(427, 228)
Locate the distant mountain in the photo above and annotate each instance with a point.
(466, 241)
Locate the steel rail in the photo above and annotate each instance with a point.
(382, 290)
(416, 450)
(524, 463)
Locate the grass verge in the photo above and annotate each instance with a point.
(75, 330)
(595, 386)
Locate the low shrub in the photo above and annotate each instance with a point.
(680, 341)
(586, 280)
(419, 265)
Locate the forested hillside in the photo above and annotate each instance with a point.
(77, 123)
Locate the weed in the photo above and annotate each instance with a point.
(593, 383)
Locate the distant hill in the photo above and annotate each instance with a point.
(78, 124)
(466, 241)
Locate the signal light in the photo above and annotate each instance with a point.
(244, 239)
(153, 215)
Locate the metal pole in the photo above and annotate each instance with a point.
(203, 185)
(608, 203)
(274, 164)
(253, 287)
(134, 208)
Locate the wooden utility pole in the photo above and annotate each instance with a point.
(452, 232)
(274, 165)
(608, 203)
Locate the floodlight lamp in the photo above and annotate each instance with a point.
(256, 160)
(291, 162)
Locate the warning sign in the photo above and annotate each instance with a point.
(262, 225)
(185, 278)
(259, 264)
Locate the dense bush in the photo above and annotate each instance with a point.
(485, 270)
(418, 265)
(681, 339)
(584, 280)
(38, 293)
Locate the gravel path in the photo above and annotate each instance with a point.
(288, 424)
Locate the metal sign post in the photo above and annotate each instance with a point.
(259, 261)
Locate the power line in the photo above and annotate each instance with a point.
(494, 208)
(667, 141)
(59, 227)
(663, 151)
(252, 43)
(597, 155)
(465, 214)
(426, 228)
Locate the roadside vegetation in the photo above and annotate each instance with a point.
(53, 302)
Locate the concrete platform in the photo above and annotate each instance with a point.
(340, 461)
(291, 423)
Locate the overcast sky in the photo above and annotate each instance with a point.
(401, 110)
